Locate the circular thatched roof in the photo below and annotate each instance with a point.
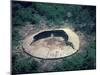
(50, 48)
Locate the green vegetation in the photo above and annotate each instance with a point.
(82, 18)
(15, 37)
(82, 61)
(24, 65)
(32, 12)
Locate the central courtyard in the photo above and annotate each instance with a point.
(52, 47)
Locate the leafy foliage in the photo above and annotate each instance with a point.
(79, 62)
(82, 18)
(24, 65)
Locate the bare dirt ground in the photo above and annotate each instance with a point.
(51, 47)
(45, 65)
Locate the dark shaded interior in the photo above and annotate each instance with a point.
(81, 17)
(46, 34)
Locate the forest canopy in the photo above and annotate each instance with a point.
(81, 17)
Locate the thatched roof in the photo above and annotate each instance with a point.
(50, 48)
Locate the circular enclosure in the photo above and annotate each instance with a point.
(50, 44)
